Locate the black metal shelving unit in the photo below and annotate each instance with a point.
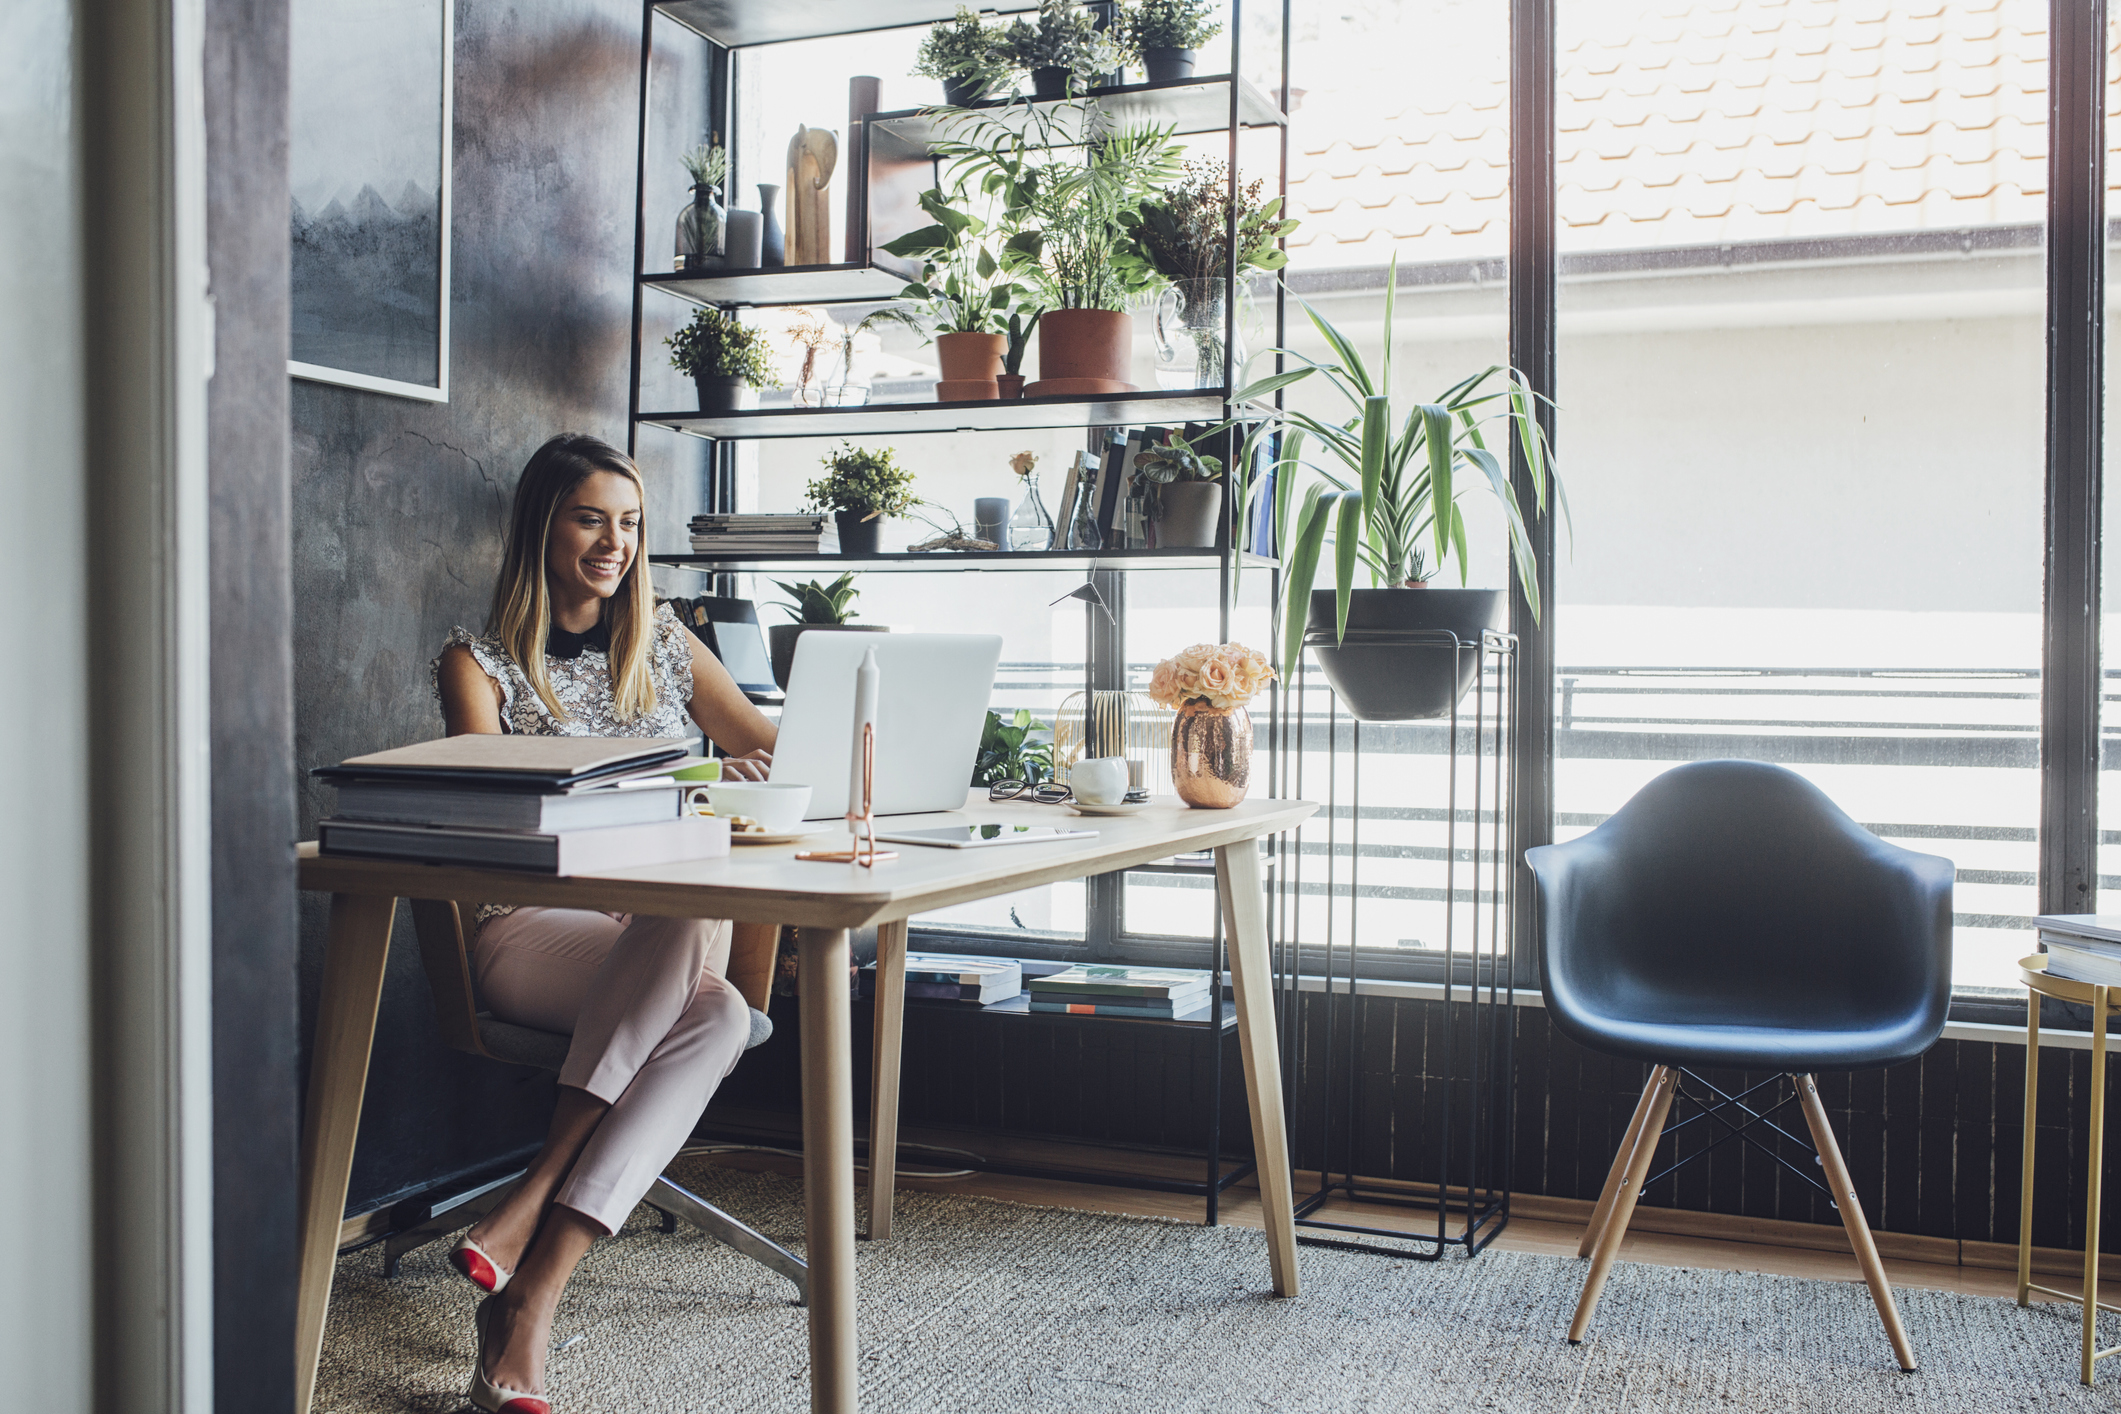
(895, 150)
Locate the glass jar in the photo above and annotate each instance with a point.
(1031, 527)
(1189, 335)
(702, 234)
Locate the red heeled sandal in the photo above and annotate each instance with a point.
(476, 1266)
(493, 1398)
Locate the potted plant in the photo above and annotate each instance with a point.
(1018, 335)
(1183, 233)
(816, 607)
(1165, 35)
(724, 357)
(1063, 49)
(1065, 210)
(1184, 493)
(1208, 686)
(701, 229)
(970, 57)
(962, 291)
(1009, 750)
(860, 487)
(1391, 505)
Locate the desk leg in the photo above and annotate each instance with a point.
(338, 1072)
(2093, 1180)
(1252, 979)
(2025, 1164)
(886, 1032)
(828, 1166)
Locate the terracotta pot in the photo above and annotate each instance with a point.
(1211, 756)
(1010, 385)
(1192, 514)
(780, 643)
(967, 390)
(1085, 343)
(970, 357)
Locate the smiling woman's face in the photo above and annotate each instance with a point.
(595, 535)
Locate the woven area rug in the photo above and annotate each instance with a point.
(979, 1305)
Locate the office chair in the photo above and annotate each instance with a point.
(441, 932)
(1731, 916)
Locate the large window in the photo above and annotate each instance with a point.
(1801, 382)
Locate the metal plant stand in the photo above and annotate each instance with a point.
(1468, 1114)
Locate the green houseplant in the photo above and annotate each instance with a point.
(1064, 209)
(1183, 233)
(815, 607)
(963, 292)
(725, 358)
(969, 56)
(1063, 49)
(1387, 500)
(860, 487)
(1165, 35)
(1009, 749)
(1184, 493)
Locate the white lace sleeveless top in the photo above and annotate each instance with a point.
(579, 668)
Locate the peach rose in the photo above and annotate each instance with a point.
(1217, 682)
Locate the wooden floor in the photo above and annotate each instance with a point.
(1240, 1207)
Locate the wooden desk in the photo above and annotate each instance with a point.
(823, 901)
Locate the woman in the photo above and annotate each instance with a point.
(577, 646)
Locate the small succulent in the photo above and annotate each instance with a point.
(708, 163)
(815, 603)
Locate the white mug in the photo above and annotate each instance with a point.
(1102, 781)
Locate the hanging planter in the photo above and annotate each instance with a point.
(1394, 664)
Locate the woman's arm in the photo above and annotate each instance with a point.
(471, 701)
(727, 716)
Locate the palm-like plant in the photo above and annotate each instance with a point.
(1391, 502)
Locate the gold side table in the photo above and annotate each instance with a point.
(2104, 1002)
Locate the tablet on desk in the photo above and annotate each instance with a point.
(979, 836)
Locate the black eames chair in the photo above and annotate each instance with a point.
(1731, 917)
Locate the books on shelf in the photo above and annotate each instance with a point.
(953, 977)
(806, 534)
(1195, 1009)
(2084, 947)
(1097, 979)
(553, 805)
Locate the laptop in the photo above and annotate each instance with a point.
(730, 629)
(932, 694)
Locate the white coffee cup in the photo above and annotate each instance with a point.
(1102, 781)
(776, 806)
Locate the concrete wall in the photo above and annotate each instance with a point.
(44, 1016)
(399, 505)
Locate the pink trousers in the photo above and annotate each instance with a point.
(655, 1029)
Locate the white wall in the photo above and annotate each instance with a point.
(46, 1220)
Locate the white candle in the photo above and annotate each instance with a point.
(865, 692)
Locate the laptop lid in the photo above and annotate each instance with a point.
(932, 694)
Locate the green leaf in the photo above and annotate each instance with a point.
(1292, 449)
(1376, 432)
(919, 242)
(1351, 363)
(1300, 566)
(1265, 387)
(1436, 428)
(1347, 535)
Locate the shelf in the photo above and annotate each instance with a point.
(736, 23)
(1019, 1006)
(790, 284)
(1004, 560)
(995, 415)
(1196, 105)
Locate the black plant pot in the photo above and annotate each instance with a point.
(1050, 82)
(962, 93)
(1395, 664)
(725, 392)
(1166, 65)
(780, 643)
(857, 536)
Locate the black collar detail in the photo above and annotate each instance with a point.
(559, 643)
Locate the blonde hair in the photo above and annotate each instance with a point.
(522, 601)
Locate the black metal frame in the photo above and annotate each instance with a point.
(1489, 981)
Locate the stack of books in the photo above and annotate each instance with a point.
(2084, 947)
(1099, 989)
(548, 804)
(950, 977)
(765, 535)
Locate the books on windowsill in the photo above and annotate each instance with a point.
(2084, 947)
(552, 805)
(1102, 989)
(952, 977)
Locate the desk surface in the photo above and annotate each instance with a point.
(768, 884)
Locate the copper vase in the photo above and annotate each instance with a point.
(1211, 756)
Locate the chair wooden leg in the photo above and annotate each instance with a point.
(887, 1029)
(1859, 1231)
(1664, 1083)
(1626, 1151)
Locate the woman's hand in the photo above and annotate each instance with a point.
(751, 766)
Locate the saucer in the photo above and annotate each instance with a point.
(1082, 808)
(778, 836)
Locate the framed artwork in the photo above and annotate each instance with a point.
(369, 149)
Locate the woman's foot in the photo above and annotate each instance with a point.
(516, 1326)
(494, 1387)
(498, 1240)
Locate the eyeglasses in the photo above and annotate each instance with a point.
(1045, 792)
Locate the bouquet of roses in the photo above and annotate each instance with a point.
(1219, 675)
